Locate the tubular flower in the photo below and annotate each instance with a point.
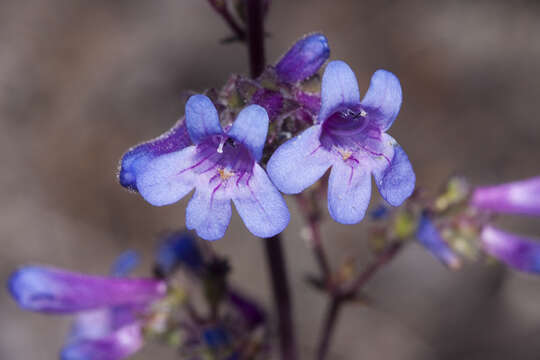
(516, 251)
(107, 324)
(519, 197)
(349, 137)
(428, 235)
(221, 166)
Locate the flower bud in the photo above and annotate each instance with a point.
(428, 235)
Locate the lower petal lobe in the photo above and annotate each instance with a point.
(208, 213)
(349, 191)
(299, 162)
(260, 205)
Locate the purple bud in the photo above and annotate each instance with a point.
(117, 345)
(304, 58)
(179, 249)
(428, 235)
(516, 251)
(520, 197)
(53, 290)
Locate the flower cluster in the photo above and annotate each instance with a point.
(221, 146)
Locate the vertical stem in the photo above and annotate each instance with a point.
(255, 36)
(282, 298)
(330, 320)
(273, 246)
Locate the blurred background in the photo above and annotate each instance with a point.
(82, 81)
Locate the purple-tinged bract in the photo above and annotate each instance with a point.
(519, 197)
(54, 290)
(304, 58)
(516, 251)
(428, 235)
(349, 137)
(221, 166)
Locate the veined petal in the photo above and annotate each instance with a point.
(168, 178)
(115, 346)
(202, 119)
(516, 251)
(428, 235)
(48, 289)
(250, 129)
(260, 205)
(208, 213)
(349, 191)
(299, 162)
(339, 88)
(134, 161)
(383, 99)
(396, 182)
(519, 197)
(304, 58)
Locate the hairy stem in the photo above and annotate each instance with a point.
(273, 246)
(282, 297)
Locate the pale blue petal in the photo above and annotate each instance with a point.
(349, 191)
(396, 182)
(299, 162)
(261, 206)
(208, 214)
(168, 178)
(250, 129)
(339, 88)
(202, 119)
(383, 99)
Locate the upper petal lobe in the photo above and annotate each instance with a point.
(250, 129)
(383, 99)
(339, 88)
(202, 119)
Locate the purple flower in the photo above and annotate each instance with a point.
(428, 235)
(136, 158)
(520, 197)
(514, 250)
(304, 58)
(349, 137)
(221, 166)
(107, 324)
(179, 249)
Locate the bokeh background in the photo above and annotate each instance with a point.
(81, 81)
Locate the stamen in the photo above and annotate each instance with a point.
(225, 174)
(221, 144)
(345, 154)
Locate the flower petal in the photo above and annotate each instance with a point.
(202, 119)
(168, 178)
(383, 99)
(339, 88)
(260, 205)
(48, 289)
(519, 197)
(516, 251)
(304, 58)
(250, 129)
(299, 162)
(428, 235)
(134, 161)
(349, 191)
(396, 182)
(117, 345)
(208, 213)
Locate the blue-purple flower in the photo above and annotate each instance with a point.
(429, 236)
(519, 197)
(350, 136)
(221, 166)
(514, 250)
(108, 324)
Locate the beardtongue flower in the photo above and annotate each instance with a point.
(107, 324)
(519, 197)
(516, 251)
(136, 158)
(349, 137)
(221, 166)
(303, 59)
(428, 235)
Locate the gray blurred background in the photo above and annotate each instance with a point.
(81, 81)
